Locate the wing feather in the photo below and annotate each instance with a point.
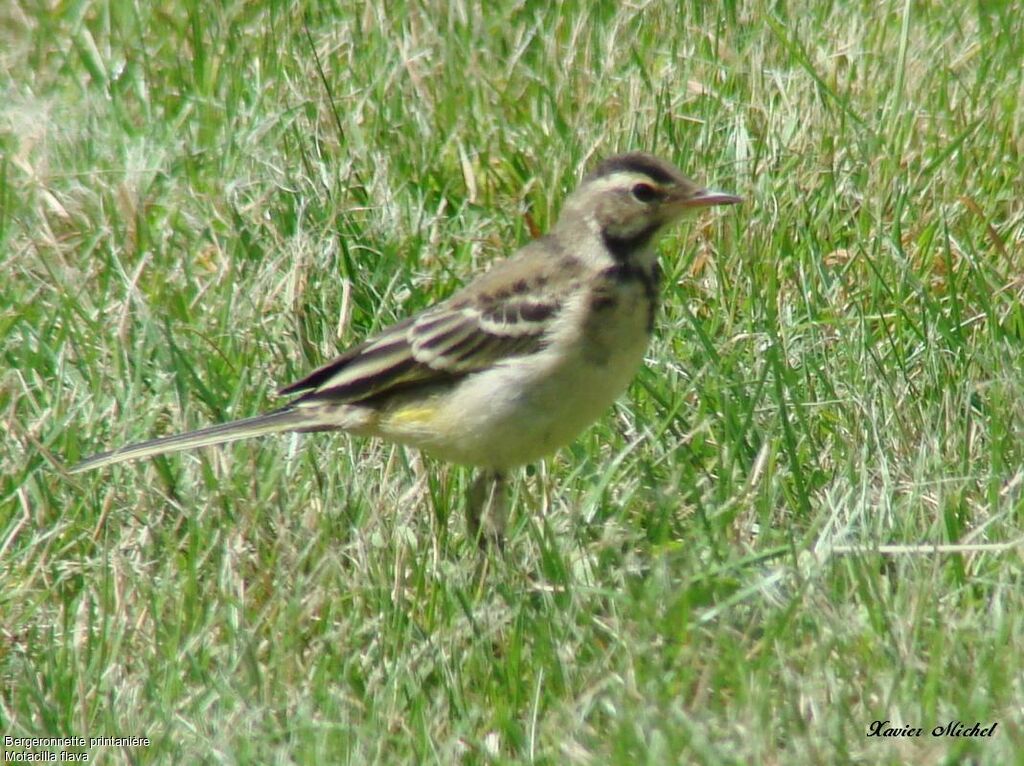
(505, 313)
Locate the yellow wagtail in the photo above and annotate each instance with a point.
(515, 364)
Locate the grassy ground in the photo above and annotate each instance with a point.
(742, 563)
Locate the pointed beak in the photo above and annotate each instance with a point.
(709, 197)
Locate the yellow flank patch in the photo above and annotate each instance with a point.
(411, 415)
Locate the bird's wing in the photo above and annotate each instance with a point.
(504, 313)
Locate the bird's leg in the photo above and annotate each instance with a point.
(487, 509)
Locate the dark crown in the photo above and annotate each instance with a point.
(656, 169)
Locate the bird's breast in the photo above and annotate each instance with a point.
(526, 407)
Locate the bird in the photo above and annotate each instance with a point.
(512, 366)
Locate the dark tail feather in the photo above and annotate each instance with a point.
(286, 419)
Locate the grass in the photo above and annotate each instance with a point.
(739, 564)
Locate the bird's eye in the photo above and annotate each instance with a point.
(645, 193)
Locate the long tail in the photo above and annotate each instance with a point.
(287, 419)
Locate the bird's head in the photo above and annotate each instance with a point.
(629, 198)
